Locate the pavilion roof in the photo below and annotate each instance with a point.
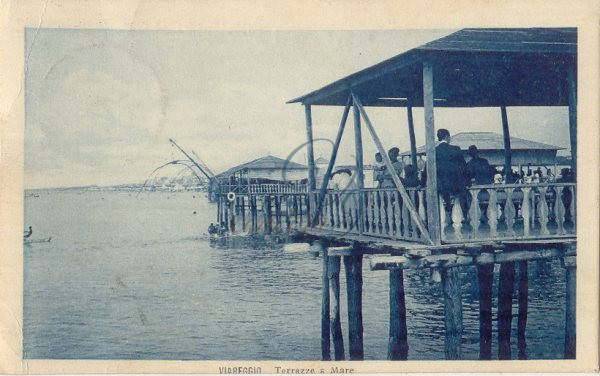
(471, 68)
(491, 141)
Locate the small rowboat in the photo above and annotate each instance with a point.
(32, 241)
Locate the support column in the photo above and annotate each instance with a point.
(570, 307)
(353, 266)
(311, 155)
(336, 324)
(325, 342)
(453, 320)
(360, 181)
(505, 292)
(572, 96)
(398, 341)
(486, 276)
(523, 303)
(334, 152)
(411, 134)
(433, 205)
(507, 150)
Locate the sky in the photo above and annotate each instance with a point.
(100, 105)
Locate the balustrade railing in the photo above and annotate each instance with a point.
(375, 212)
(509, 211)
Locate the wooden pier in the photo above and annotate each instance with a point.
(400, 228)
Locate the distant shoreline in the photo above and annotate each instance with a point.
(120, 188)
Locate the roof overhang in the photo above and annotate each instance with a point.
(471, 68)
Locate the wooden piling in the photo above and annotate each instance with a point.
(232, 216)
(486, 276)
(505, 293)
(453, 320)
(398, 341)
(522, 320)
(570, 307)
(336, 324)
(353, 267)
(325, 319)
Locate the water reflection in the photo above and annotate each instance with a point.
(134, 278)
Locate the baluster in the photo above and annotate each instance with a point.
(324, 211)
(382, 204)
(351, 212)
(509, 212)
(335, 221)
(370, 212)
(457, 218)
(559, 211)
(365, 214)
(543, 211)
(356, 210)
(526, 211)
(422, 205)
(405, 219)
(301, 209)
(398, 215)
(443, 220)
(474, 213)
(331, 211)
(344, 221)
(492, 212)
(376, 212)
(337, 211)
(572, 206)
(389, 213)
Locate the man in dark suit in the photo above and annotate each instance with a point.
(451, 169)
(478, 168)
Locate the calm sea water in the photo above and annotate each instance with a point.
(131, 277)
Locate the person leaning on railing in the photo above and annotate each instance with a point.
(478, 169)
(388, 181)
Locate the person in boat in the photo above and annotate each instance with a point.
(479, 170)
(222, 229)
(27, 234)
(212, 229)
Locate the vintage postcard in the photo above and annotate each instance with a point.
(299, 187)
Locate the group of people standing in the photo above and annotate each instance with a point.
(453, 173)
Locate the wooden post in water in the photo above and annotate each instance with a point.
(486, 276)
(398, 341)
(336, 324)
(219, 211)
(505, 293)
(453, 320)
(325, 319)
(353, 267)
(570, 307)
(522, 320)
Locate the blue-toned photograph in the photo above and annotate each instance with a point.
(300, 194)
